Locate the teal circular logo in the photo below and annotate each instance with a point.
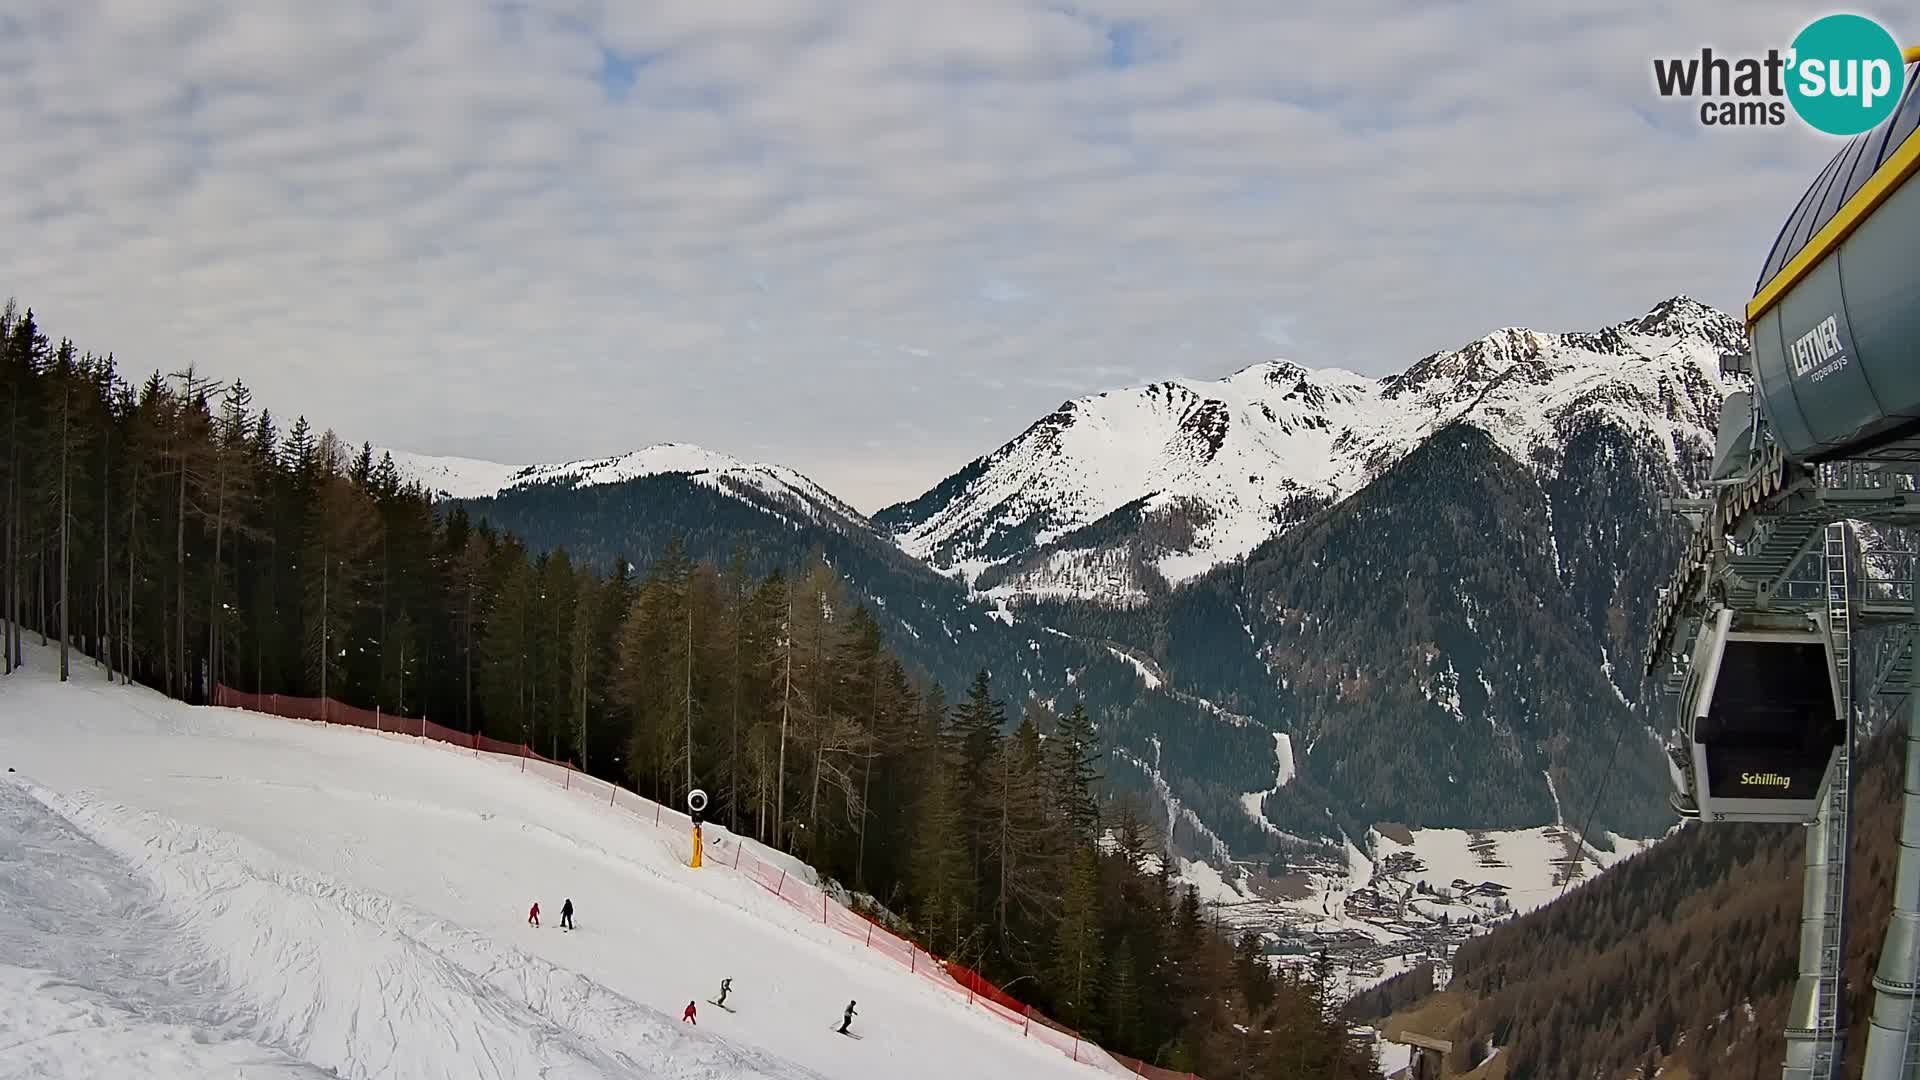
(1845, 74)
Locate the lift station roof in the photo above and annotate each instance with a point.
(1835, 317)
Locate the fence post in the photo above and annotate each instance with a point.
(1076, 1046)
(423, 725)
(1026, 1025)
(569, 784)
(737, 845)
(824, 921)
(869, 933)
(656, 815)
(376, 719)
(783, 883)
(523, 757)
(913, 957)
(614, 794)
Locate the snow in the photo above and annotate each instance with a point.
(54, 1028)
(1528, 862)
(1066, 574)
(1251, 801)
(1176, 812)
(1235, 456)
(1207, 881)
(1393, 1056)
(466, 478)
(455, 477)
(245, 895)
(1607, 669)
(1146, 673)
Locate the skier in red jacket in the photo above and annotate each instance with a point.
(533, 914)
(688, 1016)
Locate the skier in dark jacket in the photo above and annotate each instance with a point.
(725, 985)
(566, 915)
(846, 1020)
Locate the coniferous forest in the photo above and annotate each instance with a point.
(163, 530)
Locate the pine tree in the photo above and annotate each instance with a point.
(1076, 754)
(340, 533)
(977, 722)
(1122, 996)
(1026, 855)
(230, 501)
(942, 882)
(504, 647)
(1077, 954)
(472, 601)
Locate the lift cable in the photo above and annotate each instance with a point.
(1605, 775)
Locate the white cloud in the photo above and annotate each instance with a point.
(560, 228)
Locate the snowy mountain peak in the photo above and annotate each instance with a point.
(1184, 474)
(468, 478)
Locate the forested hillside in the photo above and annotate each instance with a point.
(185, 539)
(1428, 642)
(1208, 756)
(1681, 956)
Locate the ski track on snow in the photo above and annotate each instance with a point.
(274, 898)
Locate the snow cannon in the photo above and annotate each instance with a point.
(1834, 322)
(696, 806)
(1762, 726)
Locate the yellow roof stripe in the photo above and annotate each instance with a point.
(1884, 182)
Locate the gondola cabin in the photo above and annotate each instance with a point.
(1763, 723)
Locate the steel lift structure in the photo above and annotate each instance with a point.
(1757, 635)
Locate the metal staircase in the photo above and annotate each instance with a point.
(1828, 1030)
(1893, 663)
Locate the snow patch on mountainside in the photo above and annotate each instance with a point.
(455, 477)
(467, 478)
(1189, 474)
(1524, 867)
(1252, 801)
(1147, 675)
(1178, 815)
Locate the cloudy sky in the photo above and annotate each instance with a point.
(868, 239)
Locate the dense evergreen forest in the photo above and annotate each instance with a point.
(165, 531)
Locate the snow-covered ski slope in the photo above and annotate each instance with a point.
(194, 892)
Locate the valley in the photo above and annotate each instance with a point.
(1201, 563)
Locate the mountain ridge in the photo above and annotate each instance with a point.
(1179, 476)
(1565, 443)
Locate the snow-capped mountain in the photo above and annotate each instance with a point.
(769, 486)
(1116, 495)
(1437, 574)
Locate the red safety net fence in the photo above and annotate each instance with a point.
(724, 851)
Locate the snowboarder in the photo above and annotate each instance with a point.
(566, 914)
(688, 1017)
(533, 915)
(725, 985)
(847, 1020)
